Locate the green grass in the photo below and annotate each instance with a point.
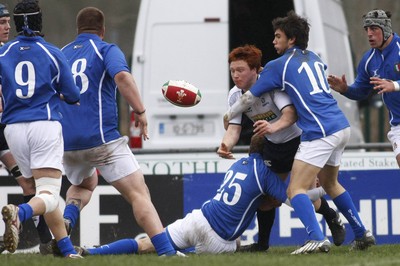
(338, 256)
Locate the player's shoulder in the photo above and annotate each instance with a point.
(234, 90)
(278, 94)
(275, 65)
(233, 95)
(110, 49)
(51, 47)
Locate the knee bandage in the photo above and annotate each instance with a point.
(46, 185)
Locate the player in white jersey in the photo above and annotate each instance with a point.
(274, 118)
(93, 141)
(301, 73)
(216, 226)
(378, 70)
(26, 183)
(31, 97)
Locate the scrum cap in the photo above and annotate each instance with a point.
(381, 19)
(4, 11)
(28, 17)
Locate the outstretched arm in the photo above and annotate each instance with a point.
(245, 101)
(229, 140)
(354, 92)
(338, 84)
(129, 90)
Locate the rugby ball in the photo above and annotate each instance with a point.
(181, 93)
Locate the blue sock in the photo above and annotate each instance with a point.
(162, 245)
(71, 212)
(123, 246)
(346, 206)
(304, 209)
(65, 246)
(25, 212)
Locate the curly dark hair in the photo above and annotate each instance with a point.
(28, 18)
(293, 26)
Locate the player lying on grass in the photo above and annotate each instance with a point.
(216, 227)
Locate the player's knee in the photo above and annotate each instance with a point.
(48, 189)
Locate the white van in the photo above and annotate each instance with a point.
(191, 40)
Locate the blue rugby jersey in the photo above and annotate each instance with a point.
(94, 64)
(301, 73)
(33, 73)
(382, 64)
(232, 209)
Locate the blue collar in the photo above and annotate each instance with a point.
(85, 36)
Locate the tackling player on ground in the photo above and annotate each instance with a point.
(216, 227)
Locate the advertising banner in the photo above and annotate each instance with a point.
(179, 183)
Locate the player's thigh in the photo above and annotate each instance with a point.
(183, 233)
(302, 177)
(77, 166)
(116, 161)
(340, 139)
(46, 145)
(319, 152)
(17, 140)
(394, 137)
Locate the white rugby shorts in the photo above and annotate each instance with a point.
(324, 151)
(114, 160)
(36, 145)
(394, 137)
(195, 231)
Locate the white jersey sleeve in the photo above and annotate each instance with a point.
(281, 99)
(233, 96)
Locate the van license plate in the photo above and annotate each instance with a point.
(186, 129)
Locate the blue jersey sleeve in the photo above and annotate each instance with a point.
(361, 87)
(114, 60)
(66, 84)
(270, 79)
(274, 186)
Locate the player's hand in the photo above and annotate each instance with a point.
(263, 127)
(338, 84)
(62, 98)
(223, 152)
(141, 122)
(382, 85)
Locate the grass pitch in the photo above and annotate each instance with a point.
(381, 255)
